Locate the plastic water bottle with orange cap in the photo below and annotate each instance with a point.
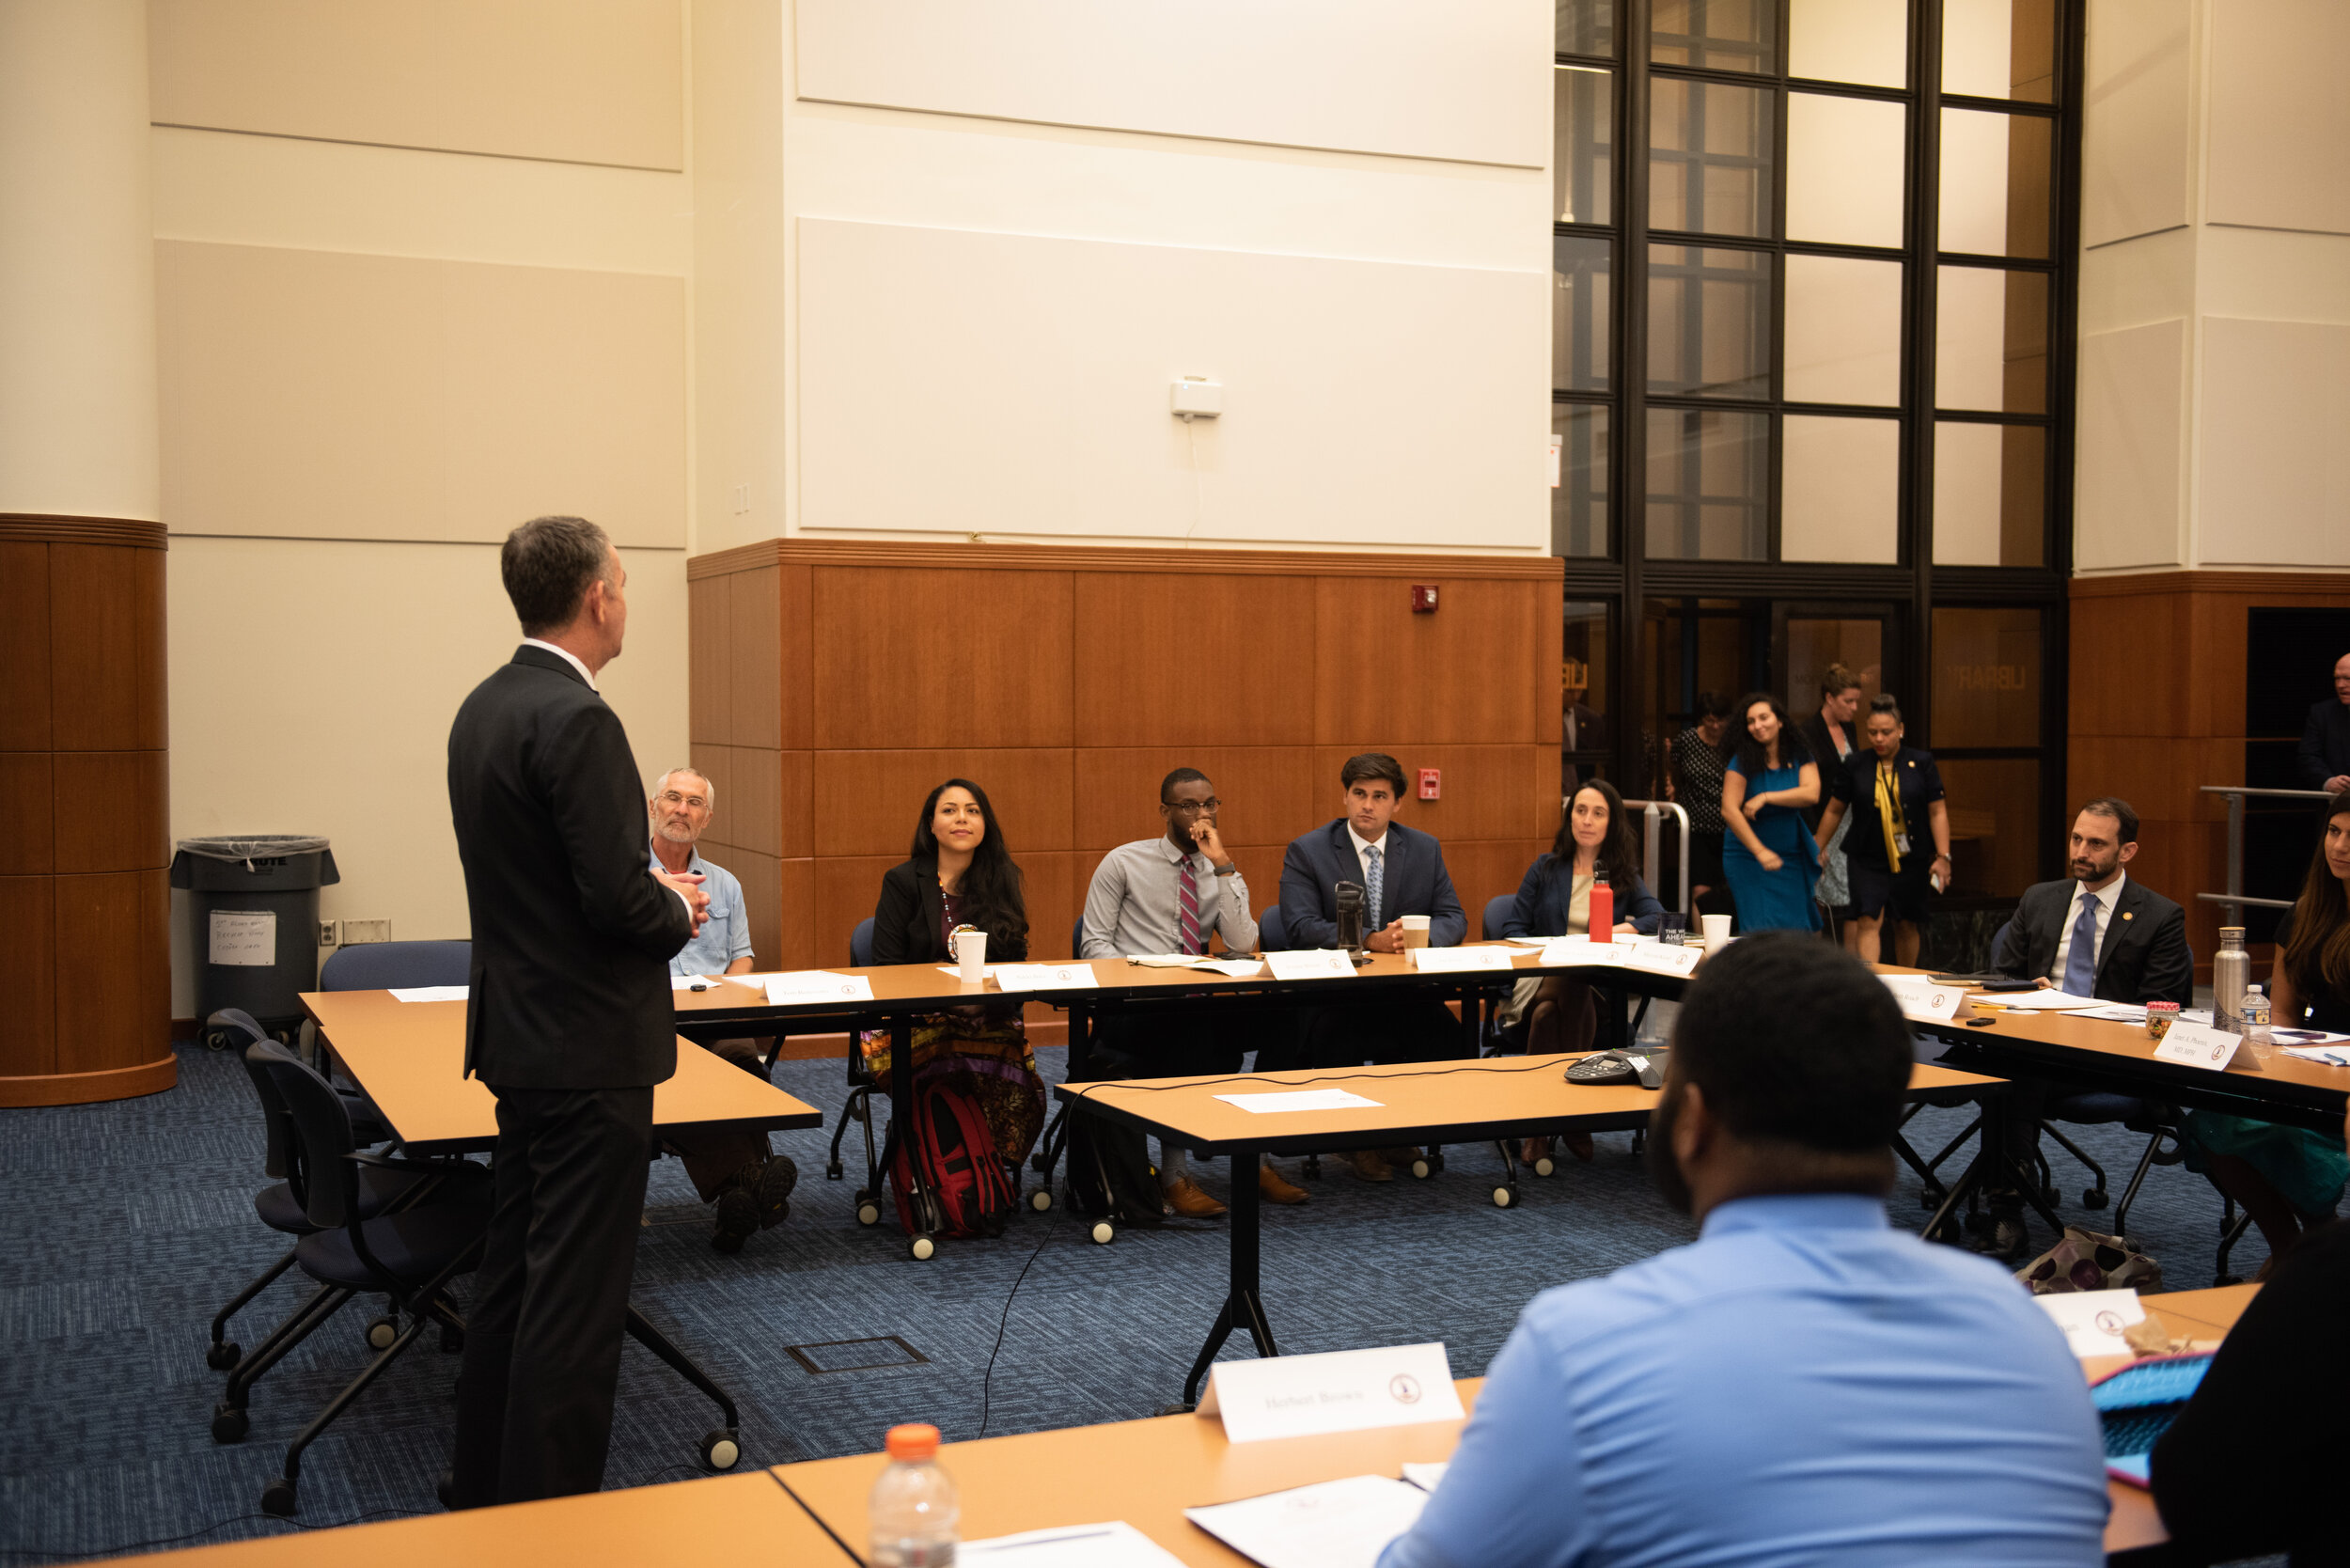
(914, 1511)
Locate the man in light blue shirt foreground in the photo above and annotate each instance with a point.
(1802, 1385)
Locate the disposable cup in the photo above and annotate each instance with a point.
(971, 954)
(1716, 930)
(1415, 930)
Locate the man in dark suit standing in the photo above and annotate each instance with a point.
(569, 1022)
(1401, 873)
(2098, 934)
(2324, 760)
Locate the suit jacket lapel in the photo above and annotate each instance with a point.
(2118, 924)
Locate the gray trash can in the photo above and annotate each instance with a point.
(253, 922)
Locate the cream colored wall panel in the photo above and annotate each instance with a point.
(392, 202)
(387, 641)
(2126, 480)
(1470, 79)
(1839, 489)
(2153, 278)
(583, 81)
(2263, 274)
(323, 395)
(952, 381)
(2278, 116)
(2273, 471)
(2138, 122)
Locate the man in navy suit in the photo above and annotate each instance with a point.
(1401, 873)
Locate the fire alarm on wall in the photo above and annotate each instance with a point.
(1430, 782)
(1423, 599)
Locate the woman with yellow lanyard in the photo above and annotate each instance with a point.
(1894, 792)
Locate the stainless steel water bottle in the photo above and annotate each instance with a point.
(2231, 971)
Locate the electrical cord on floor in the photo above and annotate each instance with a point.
(79, 1553)
(987, 1382)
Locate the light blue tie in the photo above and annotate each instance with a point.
(2081, 965)
(1370, 892)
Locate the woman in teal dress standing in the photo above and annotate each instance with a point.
(1769, 855)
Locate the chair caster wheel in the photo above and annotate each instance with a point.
(1041, 1200)
(868, 1211)
(452, 1340)
(382, 1332)
(229, 1423)
(2094, 1199)
(832, 1172)
(721, 1449)
(224, 1358)
(921, 1248)
(1504, 1197)
(277, 1497)
(1422, 1169)
(1103, 1234)
(1546, 1167)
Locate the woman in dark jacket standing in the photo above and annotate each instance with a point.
(959, 873)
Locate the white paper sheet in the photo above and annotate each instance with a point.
(2093, 1321)
(2037, 1002)
(1298, 1100)
(1425, 1475)
(1164, 961)
(2328, 1055)
(430, 993)
(1335, 1523)
(1239, 968)
(2114, 1012)
(987, 971)
(1116, 1544)
(687, 983)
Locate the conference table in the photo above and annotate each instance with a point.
(408, 1059)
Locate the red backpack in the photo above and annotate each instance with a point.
(959, 1166)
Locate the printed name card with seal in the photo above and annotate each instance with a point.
(1447, 960)
(2093, 1321)
(1582, 952)
(1920, 997)
(1663, 958)
(1045, 977)
(1341, 1391)
(1311, 964)
(816, 985)
(2200, 1046)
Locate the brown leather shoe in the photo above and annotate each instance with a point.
(1402, 1155)
(1186, 1199)
(1578, 1144)
(1368, 1165)
(1274, 1189)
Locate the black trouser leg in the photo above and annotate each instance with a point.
(714, 1156)
(542, 1344)
(2026, 1104)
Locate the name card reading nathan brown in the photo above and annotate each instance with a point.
(1342, 1390)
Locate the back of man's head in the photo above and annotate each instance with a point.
(548, 564)
(1795, 1047)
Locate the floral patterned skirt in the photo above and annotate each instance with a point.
(988, 1051)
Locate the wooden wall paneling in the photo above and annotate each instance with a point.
(1260, 867)
(1487, 869)
(924, 657)
(845, 889)
(1488, 790)
(716, 764)
(795, 895)
(2162, 776)
(1055, 883)
(755, 687)
(2121, 652)
(27, 779)
(151, 698)
(1269, 793)
(710, 660)
(1550, 641)
(116, 920)
(795, 639)
(753, 805)
(1207, 659)
(865, 801)
(28, 976)
(24, 646)
(1472, 671)
(108, 810)
(795, 803)
(101, 694)
(763, 901)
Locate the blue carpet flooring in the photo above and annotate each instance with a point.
(123, 1227)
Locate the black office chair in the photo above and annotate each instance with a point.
(859, 1109)
(1273, 933)
(411, 1253)
(1496, 912)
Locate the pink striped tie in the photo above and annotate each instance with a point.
(1187, 908)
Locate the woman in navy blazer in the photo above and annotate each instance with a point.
(1594, 846)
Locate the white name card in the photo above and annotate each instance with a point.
(2093, 1321)
(1341, 1391)
(2200, 1046)
(1664, 958)
(1453, 961)
(1920, 997)
(1045, 977)
(1300, 1100)
(816, 985)
(1311, 964)
(1581, 952)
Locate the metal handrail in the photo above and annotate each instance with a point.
(2234, 898)
(1652, 835)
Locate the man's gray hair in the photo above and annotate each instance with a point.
(709, 791)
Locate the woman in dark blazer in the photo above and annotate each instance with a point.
(961, 874)
(1594, 846)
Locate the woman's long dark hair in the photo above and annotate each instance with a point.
(1617, 856)
(1752, 757)
(2318, 957)
(991, 885)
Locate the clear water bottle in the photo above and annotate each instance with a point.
(2256, 1015)
(914, 1514)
